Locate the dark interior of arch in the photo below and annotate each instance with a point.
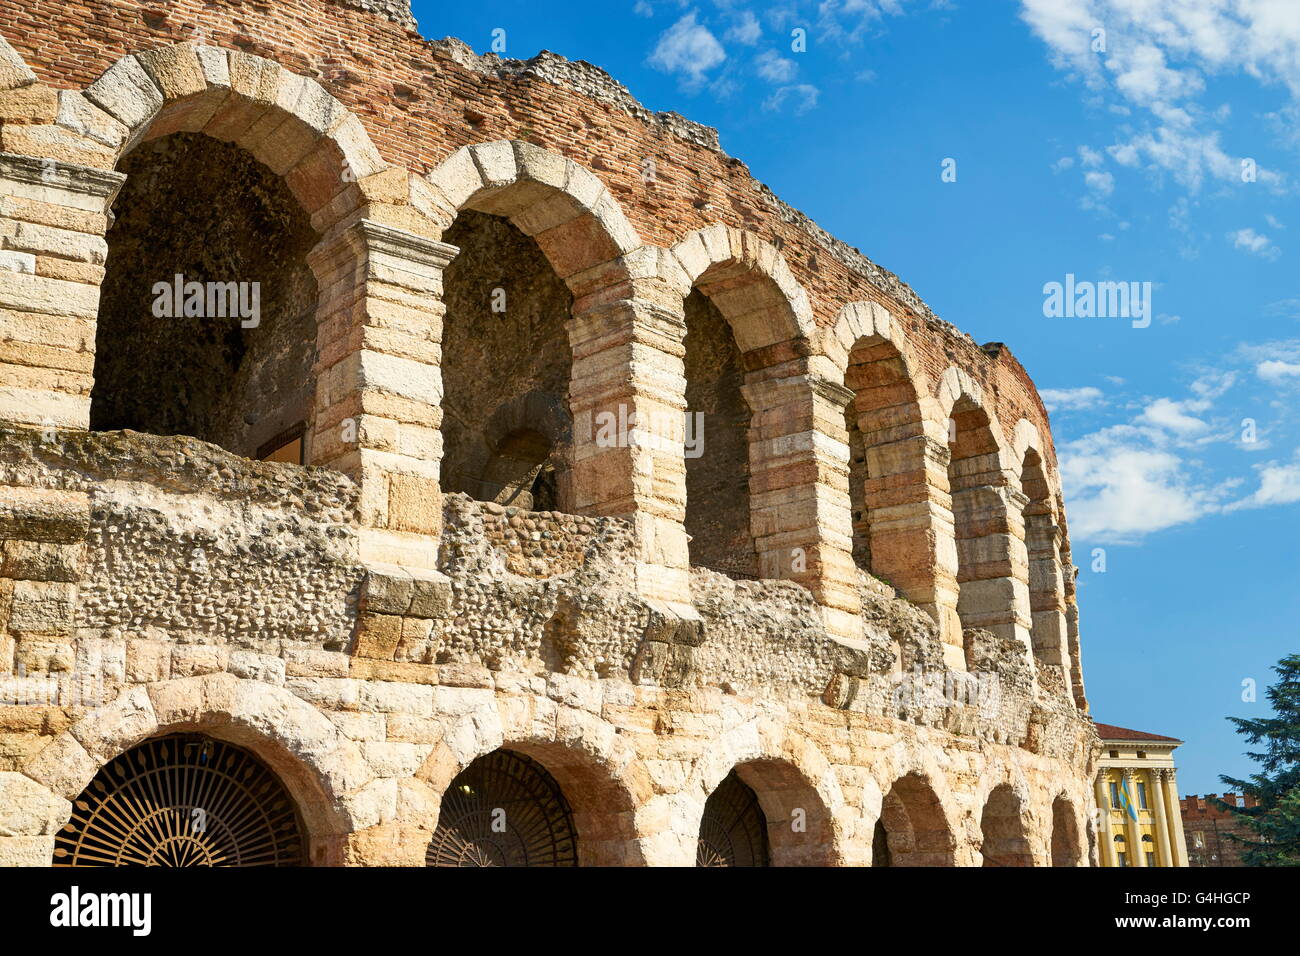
(1065, 837)
(1004, 840)
(717, 472)
(915, 831)
(506, 362)
(206, 210)
(884, 400)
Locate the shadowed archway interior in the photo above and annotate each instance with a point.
(733, 830)
(207, 322)
(183, 800)
(504, 809)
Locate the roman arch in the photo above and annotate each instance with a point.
(527, 592)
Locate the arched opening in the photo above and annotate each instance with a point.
(880, 846)
(504, 809)
(506, 363)
(1005, 842)
(915, 830)
(1065, 834)
(884, 425)
(717, 456)
(979, 519)
(183, 800)
(207, 309)
(1048, 632)
(733, 829)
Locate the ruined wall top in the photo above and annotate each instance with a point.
(399, 11)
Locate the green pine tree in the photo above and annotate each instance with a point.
(1276, 820)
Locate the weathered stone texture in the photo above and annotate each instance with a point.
(859, 597)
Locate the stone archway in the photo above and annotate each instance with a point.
(504, 809)
(1005, 840)
(733, 827)
(987, 517)
(1065, 846)
(798, 797)
(915, 829)
(320, 768)
(183, 800)
(760, 391)
(892, 457)
(615, 814)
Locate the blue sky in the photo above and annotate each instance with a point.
(1160, 150)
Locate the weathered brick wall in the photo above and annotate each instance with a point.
(421, 100)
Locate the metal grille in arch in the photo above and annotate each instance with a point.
(504, 809)
(182, 800)
(733, 831)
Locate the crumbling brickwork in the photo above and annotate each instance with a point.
(848, 599)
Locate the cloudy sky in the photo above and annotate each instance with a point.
(1134, 141)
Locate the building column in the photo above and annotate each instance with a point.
(627, 395)
(53, 218)
(993, 563)
(1047, 595)
(377, 412)
(1132, 827)
(1105, 836)
(910, 527)
(800, 513)
(1157, 796)
(1177, 838)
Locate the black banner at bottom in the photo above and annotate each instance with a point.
(337, 905)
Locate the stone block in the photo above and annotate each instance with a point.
(128, 93)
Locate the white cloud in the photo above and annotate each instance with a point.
(1069, 399)
(746, 29)
(1276, 372)
(1255, 243)
(1151, 62)
(803, 95)
(1103, 184)
(775, 68)
(1120, 487)
(1129, 480)
(1168, 414)
(688, 48)
(1290, 308)
(1278, 485)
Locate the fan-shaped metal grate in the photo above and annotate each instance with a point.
(504, 809)
(182, 800)
(734, 830)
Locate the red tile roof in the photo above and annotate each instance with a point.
(1111, 732)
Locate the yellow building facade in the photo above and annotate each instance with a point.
(1136, 791)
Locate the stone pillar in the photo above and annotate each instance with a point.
(379, 387)
(799, 491)
(1047, 595)
(53, 217)
(628, 399)
(909, 519)
(1105, 835)
(1157, 799)
(993, 573)
(1174, 814)
(1133, 828)
(1069, 574)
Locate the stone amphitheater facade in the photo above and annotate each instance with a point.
(496, 298)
